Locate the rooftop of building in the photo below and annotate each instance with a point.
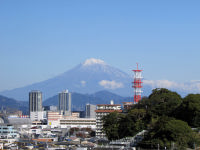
(35, 91)
(108, 111)
(64, 91)
(108, 104)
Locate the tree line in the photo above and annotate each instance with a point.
(170, 121)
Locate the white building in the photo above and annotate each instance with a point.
(71, 122)
(35, 101)
(55, 119)
(7, 131)
(76, 114)
(37, 115)
(64, 104)
(35, 105)
(90, 111)
(103, 110)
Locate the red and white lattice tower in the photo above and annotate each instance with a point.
(137, 85)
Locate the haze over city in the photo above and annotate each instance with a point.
(42, 39)
(99, 75)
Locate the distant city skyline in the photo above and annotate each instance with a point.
(42, 39)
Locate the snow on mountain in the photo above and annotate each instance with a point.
(93, 61)
(88, 77)
(95, 75)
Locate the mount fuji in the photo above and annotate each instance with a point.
(91, 76)
(94, 75)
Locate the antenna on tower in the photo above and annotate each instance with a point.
(137, 84)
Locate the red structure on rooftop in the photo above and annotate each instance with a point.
(137, 85)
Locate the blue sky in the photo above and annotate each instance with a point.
(41, 39)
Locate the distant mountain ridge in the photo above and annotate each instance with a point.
(10, 104)
(88, 77)
(95, 75)
(80, 100)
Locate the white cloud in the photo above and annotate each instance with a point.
(93, 61)
(111, 84)
(160, 83)
(192, 86)
(83, 83)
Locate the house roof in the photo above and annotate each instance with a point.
(108, 111)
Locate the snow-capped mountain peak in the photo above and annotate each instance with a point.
(88, 77)
(93, 65)
(93, 61)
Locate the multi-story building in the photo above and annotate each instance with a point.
(76, 114)
(35, 105)
(64, 105)
(103, 110)
(7, 131)
(55, 119)
(90, 111)
(127, 106)
(81, 114)
(71, 122)
(35, 101)
(37, 115)
(50, 108)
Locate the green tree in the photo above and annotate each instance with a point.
(117, 125)
(167, 131)
(111, 125)
(137, 114)
(189, 110)
(132, 123)
(157, 114)
(164, 102)
(126, 126)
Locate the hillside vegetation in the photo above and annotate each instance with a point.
(166, 116)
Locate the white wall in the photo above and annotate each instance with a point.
(38, 115)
